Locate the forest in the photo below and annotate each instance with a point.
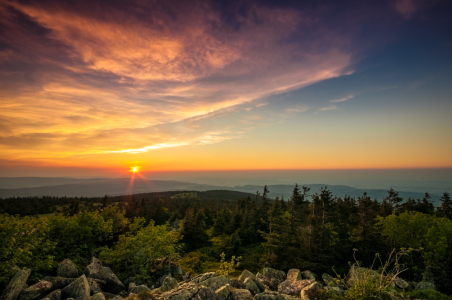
(309, 231)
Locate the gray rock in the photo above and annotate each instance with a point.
(109, 295)
(78, 289)
(94, 286)
(223, 292)
(425, 285)
(327, 279)
(67, 269)
(286, 288)
(138, 289)
(269, 296)
(16, 285)
(59, 282)
(98, 296)
(402, 284)
(216, 282)
(309, 275)
(241, 294)
(204, 293)
(97, 271)
(118, 297)
(271, 277)
(131, 286)
(360, 274)
(168, 284)
(205, 276)
(55, 295)
(246, 274)
(300, 284)
(36, 291)
(182, 292)
(176, 269)
(309, 292)
(234, 283)
(335, 289)
(294, 275)
(251, 286)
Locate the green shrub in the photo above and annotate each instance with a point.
(428, 294)
(227, 267)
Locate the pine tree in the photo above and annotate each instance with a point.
(445, 210)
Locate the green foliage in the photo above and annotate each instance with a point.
(227, 267)
(323, 294)
(428, 294)
(194, 262)
(79, 235)
(25, 243)
(140, 252)
(114, 213)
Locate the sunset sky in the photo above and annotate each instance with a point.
(97, 87)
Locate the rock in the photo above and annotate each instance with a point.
(67, 269)
(117, 297)
(98, 296)
(271, 277)
(223, 292)
(425, 285)
(97, 271)
(59, 282)
(176, 269)
(215, 283)
(36, 291)
(182, 292)
(94, 286)
(203, 277)
(204, 293)
(327, 279)
(251, 286)
(309, 275)
(109, 295)
(168, 284)
(309, 292)
(78, 289)
(402, 284)
(131, 286)
(246, 274)
(16, 285)
(55, 295)
(269, 296)
(300, 284)
(335, 289)
(285, 287)
(241, 294)
(294, 275)
(234, 283)
(356, 273)
(138, 289)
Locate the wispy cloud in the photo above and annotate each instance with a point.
(343, 99)
(331, 107)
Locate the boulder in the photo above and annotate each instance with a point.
(223, 292)
(294, 275)
(67, 269)
(425, 285)
(16, 285)
(109, 295)
(271, 277)
(241, 294)
(402, 284)
(234, 283)
(168, 284)
(138, 289)
(176, 269)
(269, 296)
(36, 291)
(328, 278)
(97, 271)
(216, 282)
(309, 275)
(251, 286)
(204, 293)
(205, 276)
(131, 286)
(286, 288)
(309, 292)
(78, 289)
(94, 286)
(98, 296)
(55, 295)
(335, 289)
(360, 274)
(182, 292)
(59, 282)
(246, 274)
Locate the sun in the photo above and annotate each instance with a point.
(134, 169)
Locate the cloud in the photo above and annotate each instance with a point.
(331, 107)
(343, 99)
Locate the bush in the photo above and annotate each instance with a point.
(428, 294)
(142, 252)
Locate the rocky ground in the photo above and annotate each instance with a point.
(100, 283)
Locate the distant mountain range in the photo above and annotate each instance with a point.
(97, 187)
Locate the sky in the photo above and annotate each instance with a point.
(97, 87)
